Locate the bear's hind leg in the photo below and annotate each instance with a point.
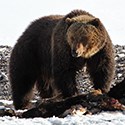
(22, 91)
(22, 74)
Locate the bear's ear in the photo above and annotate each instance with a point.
(69, 21)
(95, 22)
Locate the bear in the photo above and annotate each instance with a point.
(51, 50)
(118, 91)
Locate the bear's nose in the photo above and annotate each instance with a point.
(74, 53)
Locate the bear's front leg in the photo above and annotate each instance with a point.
(101, 70)
(66, 83)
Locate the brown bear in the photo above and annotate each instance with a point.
(118, 91)
(52, 49)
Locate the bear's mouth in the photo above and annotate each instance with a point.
(76, 53)
(77, 50)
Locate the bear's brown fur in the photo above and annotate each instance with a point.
(52, 49)
(118, 91)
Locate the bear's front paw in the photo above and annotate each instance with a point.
(96, 92)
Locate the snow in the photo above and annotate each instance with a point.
(104, 118)
(6, 102)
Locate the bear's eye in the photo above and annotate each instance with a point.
(73, 39)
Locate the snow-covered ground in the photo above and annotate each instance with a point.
(105, 118)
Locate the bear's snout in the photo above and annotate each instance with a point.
(78, 50)
(74, 53)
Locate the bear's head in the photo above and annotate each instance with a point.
(86, 36)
